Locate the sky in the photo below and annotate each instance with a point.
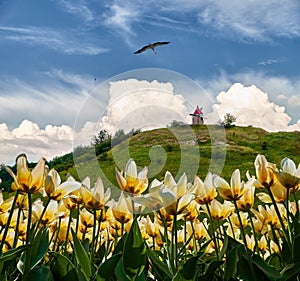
(68, 68)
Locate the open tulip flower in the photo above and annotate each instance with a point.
(28, 181)
(94, 198)
(57, 190)
(231, 192)
(204, 191)
(171, 229)
(264, 172)
(289, 175)
(131, 181)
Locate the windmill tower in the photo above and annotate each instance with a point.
(198, 118)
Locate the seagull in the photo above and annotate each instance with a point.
(151, 46)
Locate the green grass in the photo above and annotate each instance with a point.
(194, 149)
(186, 148)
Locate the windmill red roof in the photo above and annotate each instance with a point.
(198, 111)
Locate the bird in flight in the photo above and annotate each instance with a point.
(151, 46)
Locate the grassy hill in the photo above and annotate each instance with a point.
(190, 149)
(193, 149)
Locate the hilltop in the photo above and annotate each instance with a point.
(194, 149)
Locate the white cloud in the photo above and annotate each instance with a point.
(280, 89)
(63, 41)
(134, 104)
(294, 100)
(236, 20)
(36, 142)
(253, 107)
(252, 20)
(79, 8)
(121, 18)
(281, 97)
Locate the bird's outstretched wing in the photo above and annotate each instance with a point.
(143, 49)
(160, 43)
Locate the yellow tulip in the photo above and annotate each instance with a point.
(246, 201)
(131, 181)
(219, 211)
(95, 198)
(264, 172)
(57, 190)
(205, 191)
(121, 209)
(28, 181)
(231, 192)
(289, 175)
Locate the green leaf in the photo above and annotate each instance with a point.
(39, 273)
(36, 253)
(160, 269)
(189, 270)
(120, 245)
(11, 255)
(232, 260)
(122, 276)
(106, 270)
(100, 253)
(39, 248)
(62, 268)
(210, 270)
(270, 271)
(224, 247)
(81, 257)
(134, 256)
(296, 247)
(289, 271)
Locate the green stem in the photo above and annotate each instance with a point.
(254, 233)
(213, 230)
(68, 231)
(288, 213)
(17, 228)
(280, 220)
(99, 229)
(174, 241)
(77, 217)
(93, 238)
(168, 242)
(194, 237)
(241, 226)
(28, 236)
(56, 235)
(41, 217)
(297, 206)
(8, 221)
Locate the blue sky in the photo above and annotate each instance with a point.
(53, 50)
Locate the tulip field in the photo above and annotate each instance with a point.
(247, 228)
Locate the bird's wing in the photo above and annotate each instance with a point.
(160, 43)
(143, 49)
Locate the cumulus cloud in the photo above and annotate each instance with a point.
(281, 90)
(253, 107)
(135, 104)
(36, 142)
(132, 104)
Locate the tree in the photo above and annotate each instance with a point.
(101, 137)
(228, 120)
